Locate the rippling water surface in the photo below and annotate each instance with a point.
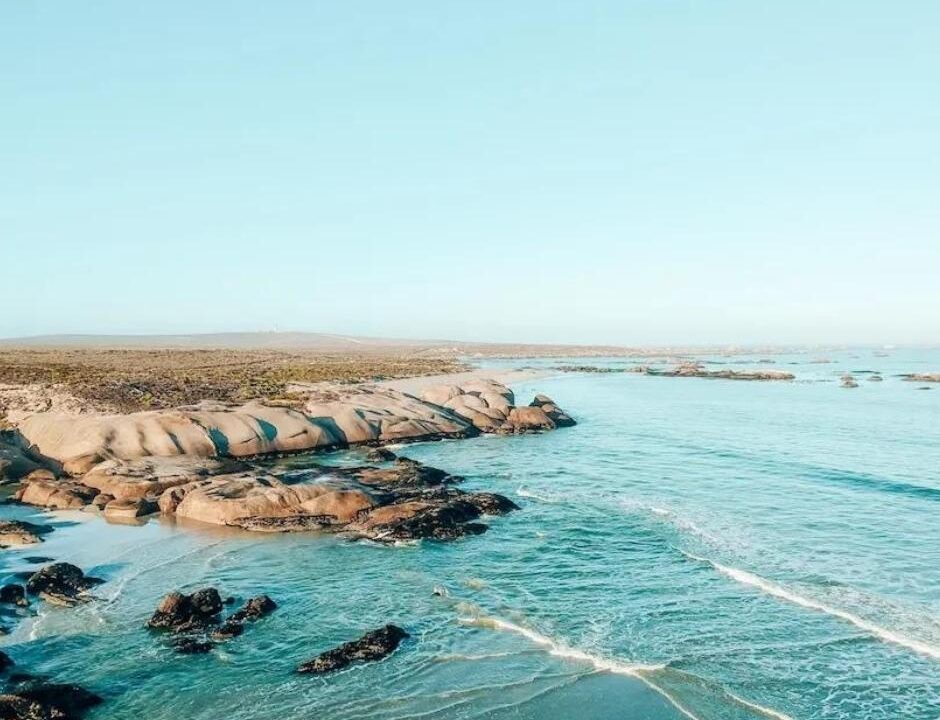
(692, 549)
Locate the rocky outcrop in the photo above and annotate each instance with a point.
(558, 416)
(195, 620)
(15, 533)
(181, 613)
(116, 452)
(406, 500)
(848, 381)
(185, 462)
(697, 370)
(372, 646)
(61, 584)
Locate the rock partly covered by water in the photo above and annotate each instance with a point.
(13, 594)
(922, 377)
(407, 500)
(693, 369)
(183, 613)
(61, 584)
(35, 699)
(372, 646)
(849, 381)
(196, 619)
(15, 533)
(186, 462)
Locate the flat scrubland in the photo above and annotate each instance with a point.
(129, 379)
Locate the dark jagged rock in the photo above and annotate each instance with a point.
(490, 503)
(228, 630)
(35, 699)
(187, 645)
(440, 522)
(61, 584)
(290, 523)
(380, 454)
(13, 594)
(234, 625)
(195, 619)
(5, 662)
(181, 613)
(370, 647)
(254, 609)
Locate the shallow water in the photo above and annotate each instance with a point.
(692, 549)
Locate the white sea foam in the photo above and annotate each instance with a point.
(778, 591)
(634, 670)
(769, 712)
(675, 520)
(522, 491)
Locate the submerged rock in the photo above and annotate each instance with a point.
(370, 647)
(555, 413)
(61, 584)
(192, 646)
(849, 381)
(254, 609)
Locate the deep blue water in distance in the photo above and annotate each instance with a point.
(694, 548)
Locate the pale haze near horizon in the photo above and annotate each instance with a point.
(622, 172)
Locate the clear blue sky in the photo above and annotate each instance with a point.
(627, 171)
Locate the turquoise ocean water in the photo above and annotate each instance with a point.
(694, 548)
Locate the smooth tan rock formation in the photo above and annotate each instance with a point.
(185, 462)
(55, 494)
(130, 508)
(226, 500)
(528, 419)
(131, 479)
